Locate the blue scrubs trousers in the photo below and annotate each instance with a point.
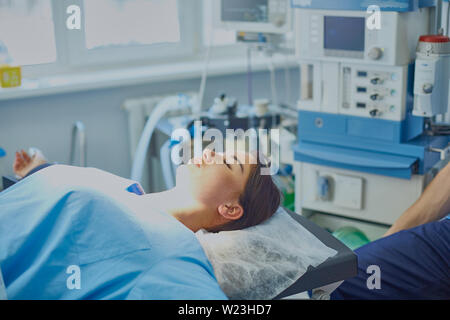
(413, 264)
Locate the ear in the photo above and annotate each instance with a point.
(231, 211)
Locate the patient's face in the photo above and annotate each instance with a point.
(216, 177)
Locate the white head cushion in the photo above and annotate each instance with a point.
(262, 261)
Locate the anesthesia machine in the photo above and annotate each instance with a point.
(373, 108)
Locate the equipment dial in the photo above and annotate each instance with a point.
(375, 113)
(427, 88)
(375, 53)
(279, 21)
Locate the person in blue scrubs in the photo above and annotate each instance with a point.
(413, 258)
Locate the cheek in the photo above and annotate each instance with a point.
(211, 186)
(216, 186)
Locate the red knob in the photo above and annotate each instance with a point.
(434, 38)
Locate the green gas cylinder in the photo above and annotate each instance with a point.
(352, 237)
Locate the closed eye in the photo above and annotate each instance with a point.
(226, 163)
(237, 160)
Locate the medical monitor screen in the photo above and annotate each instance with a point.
(245, 10)
(344, 33)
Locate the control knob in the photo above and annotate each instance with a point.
(279, 21)
(375, 97)
(427, 88)
(375, 113)
(375, 53)
(376, 80)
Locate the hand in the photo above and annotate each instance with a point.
(23, 163)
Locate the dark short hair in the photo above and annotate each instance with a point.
(260, 200)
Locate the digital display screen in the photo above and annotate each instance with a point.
(344, 33)
(245, 10)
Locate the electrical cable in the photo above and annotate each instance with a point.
(273, 85)
(201, 93)
(287, 79)
(249, 76)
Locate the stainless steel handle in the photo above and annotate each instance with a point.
(444, 153)
(78, 131)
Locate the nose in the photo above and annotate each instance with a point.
(209, 156)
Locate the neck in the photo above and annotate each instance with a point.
(181, 206)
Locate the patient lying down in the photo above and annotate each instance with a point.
(224, 192)
(65, 234)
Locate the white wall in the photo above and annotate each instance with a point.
(46, 122)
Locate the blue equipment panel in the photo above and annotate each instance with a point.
(362, 144)
(359, 128)
(359, 160)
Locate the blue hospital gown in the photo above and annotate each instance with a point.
(66, 225)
